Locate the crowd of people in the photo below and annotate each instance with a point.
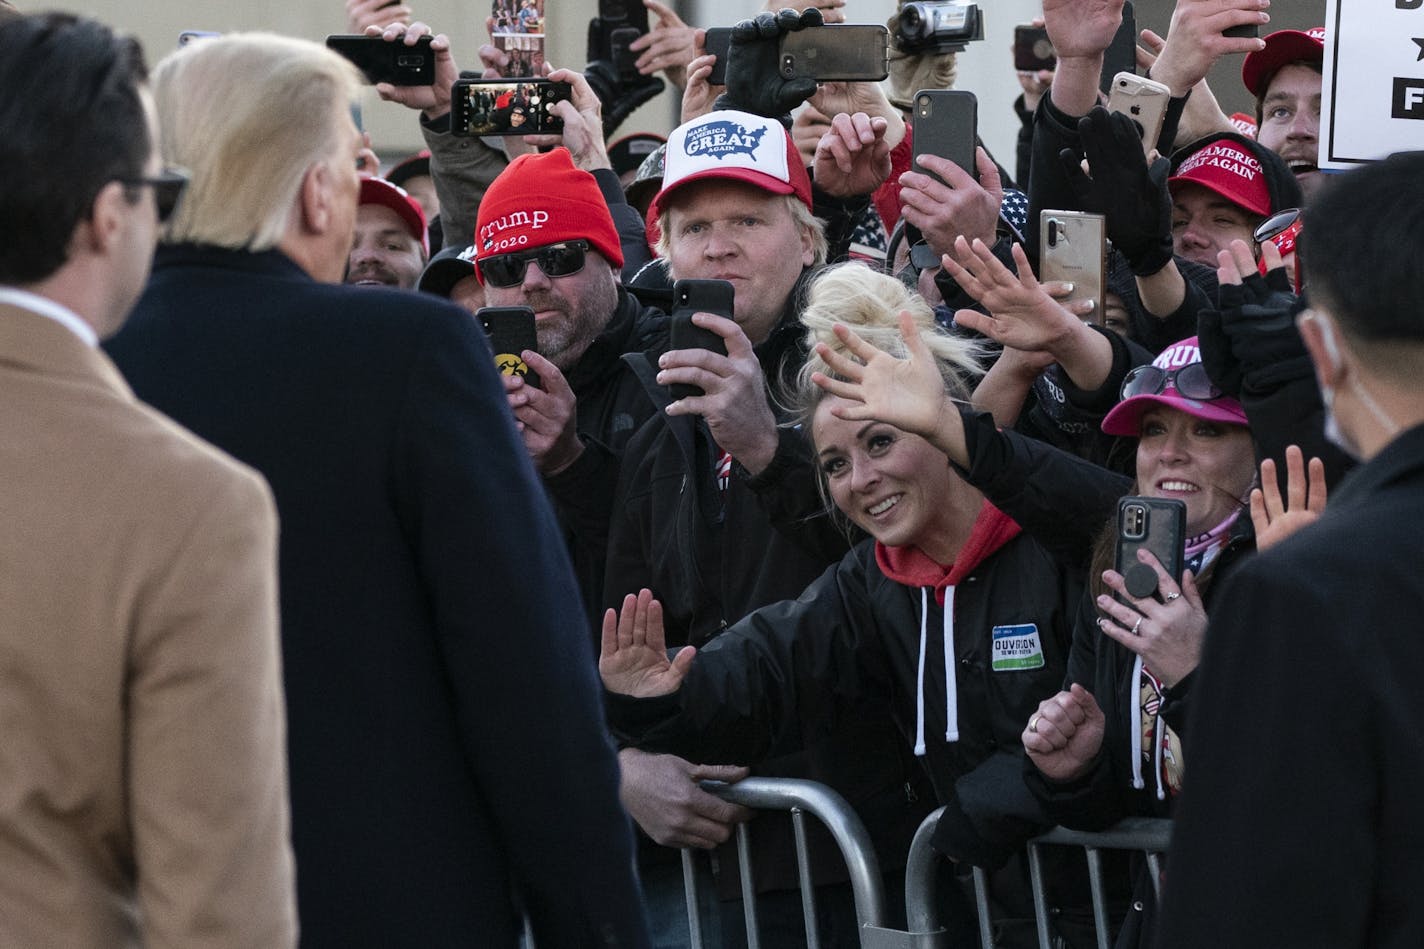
(318, 625)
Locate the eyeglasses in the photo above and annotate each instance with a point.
(1190, 381)
(167, 189)
(1281, 229)
(556, 260)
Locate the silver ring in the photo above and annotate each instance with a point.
(1137, 624)
(1171, 596)
(1033, 723)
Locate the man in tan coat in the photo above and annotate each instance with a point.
(143, 791)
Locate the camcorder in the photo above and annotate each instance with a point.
(942, 27)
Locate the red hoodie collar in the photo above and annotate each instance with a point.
(913, 567)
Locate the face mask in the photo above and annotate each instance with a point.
(1333, 433)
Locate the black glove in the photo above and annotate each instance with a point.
(1252, 329)
(1130, 195)
(619, 97)
(754, 80)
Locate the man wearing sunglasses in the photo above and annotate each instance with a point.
(143, 796)
(545, 239)
(446, 738)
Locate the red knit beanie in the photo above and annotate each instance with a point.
(542, 199)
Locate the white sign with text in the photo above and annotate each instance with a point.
(1372, 96)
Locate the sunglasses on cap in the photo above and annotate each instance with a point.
(556, 260)
(167, 188)
(1190, 381)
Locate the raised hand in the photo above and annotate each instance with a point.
(1305, 499)
(634, 659)
(699, 96)
(361, 15)
(906, 393)
(853, 157)
(1168, 635)
(1065, 734)
(669, 45)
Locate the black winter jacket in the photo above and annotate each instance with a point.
(612, 406)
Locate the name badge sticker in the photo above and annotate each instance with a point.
(1017, 648)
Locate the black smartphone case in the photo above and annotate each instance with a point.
(697, 296)
(395, 63)
(511, 331)
(945, 123)
(843, 52)
(1155, 524)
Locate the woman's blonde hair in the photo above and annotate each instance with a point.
(247, 114)
(869, 302)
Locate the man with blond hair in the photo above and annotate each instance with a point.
(143, 790)
(450, 769)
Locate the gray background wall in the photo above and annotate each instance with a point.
(985, 68)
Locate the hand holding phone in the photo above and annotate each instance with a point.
(1142, 100)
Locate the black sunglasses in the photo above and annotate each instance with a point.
(167, 188)
(1276, 224)
(556, 260)
(1190, 381)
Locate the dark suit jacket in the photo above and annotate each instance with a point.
(446, 742)
(1299, 822)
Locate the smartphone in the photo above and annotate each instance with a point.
(619, 23)
(945, 123)
(395, 62)
(507, 106)
(718, 42)
(1155, 524)
(187, 36)
(698, 296)
(1144, 101)
(1121, 54)
(511, 331)
(1073, 246)
(1032, 49)
(842, 52)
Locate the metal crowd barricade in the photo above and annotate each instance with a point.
(924, 927)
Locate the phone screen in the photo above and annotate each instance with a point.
(507, 107)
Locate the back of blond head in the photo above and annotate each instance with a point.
(869, 302)
(247, 114)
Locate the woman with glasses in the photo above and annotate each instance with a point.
(1108, 745)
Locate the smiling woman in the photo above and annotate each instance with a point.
(947, 610)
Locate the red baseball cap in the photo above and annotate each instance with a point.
(382, 192)
(732, 146)
(1229, 170)
(1282, 46)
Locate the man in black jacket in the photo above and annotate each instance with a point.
(449, 764)
(545, 240)
(718, 511)
(1299, 824)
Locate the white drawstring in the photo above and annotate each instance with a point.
(951, 684)
(920, 679)
(1135, 695)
